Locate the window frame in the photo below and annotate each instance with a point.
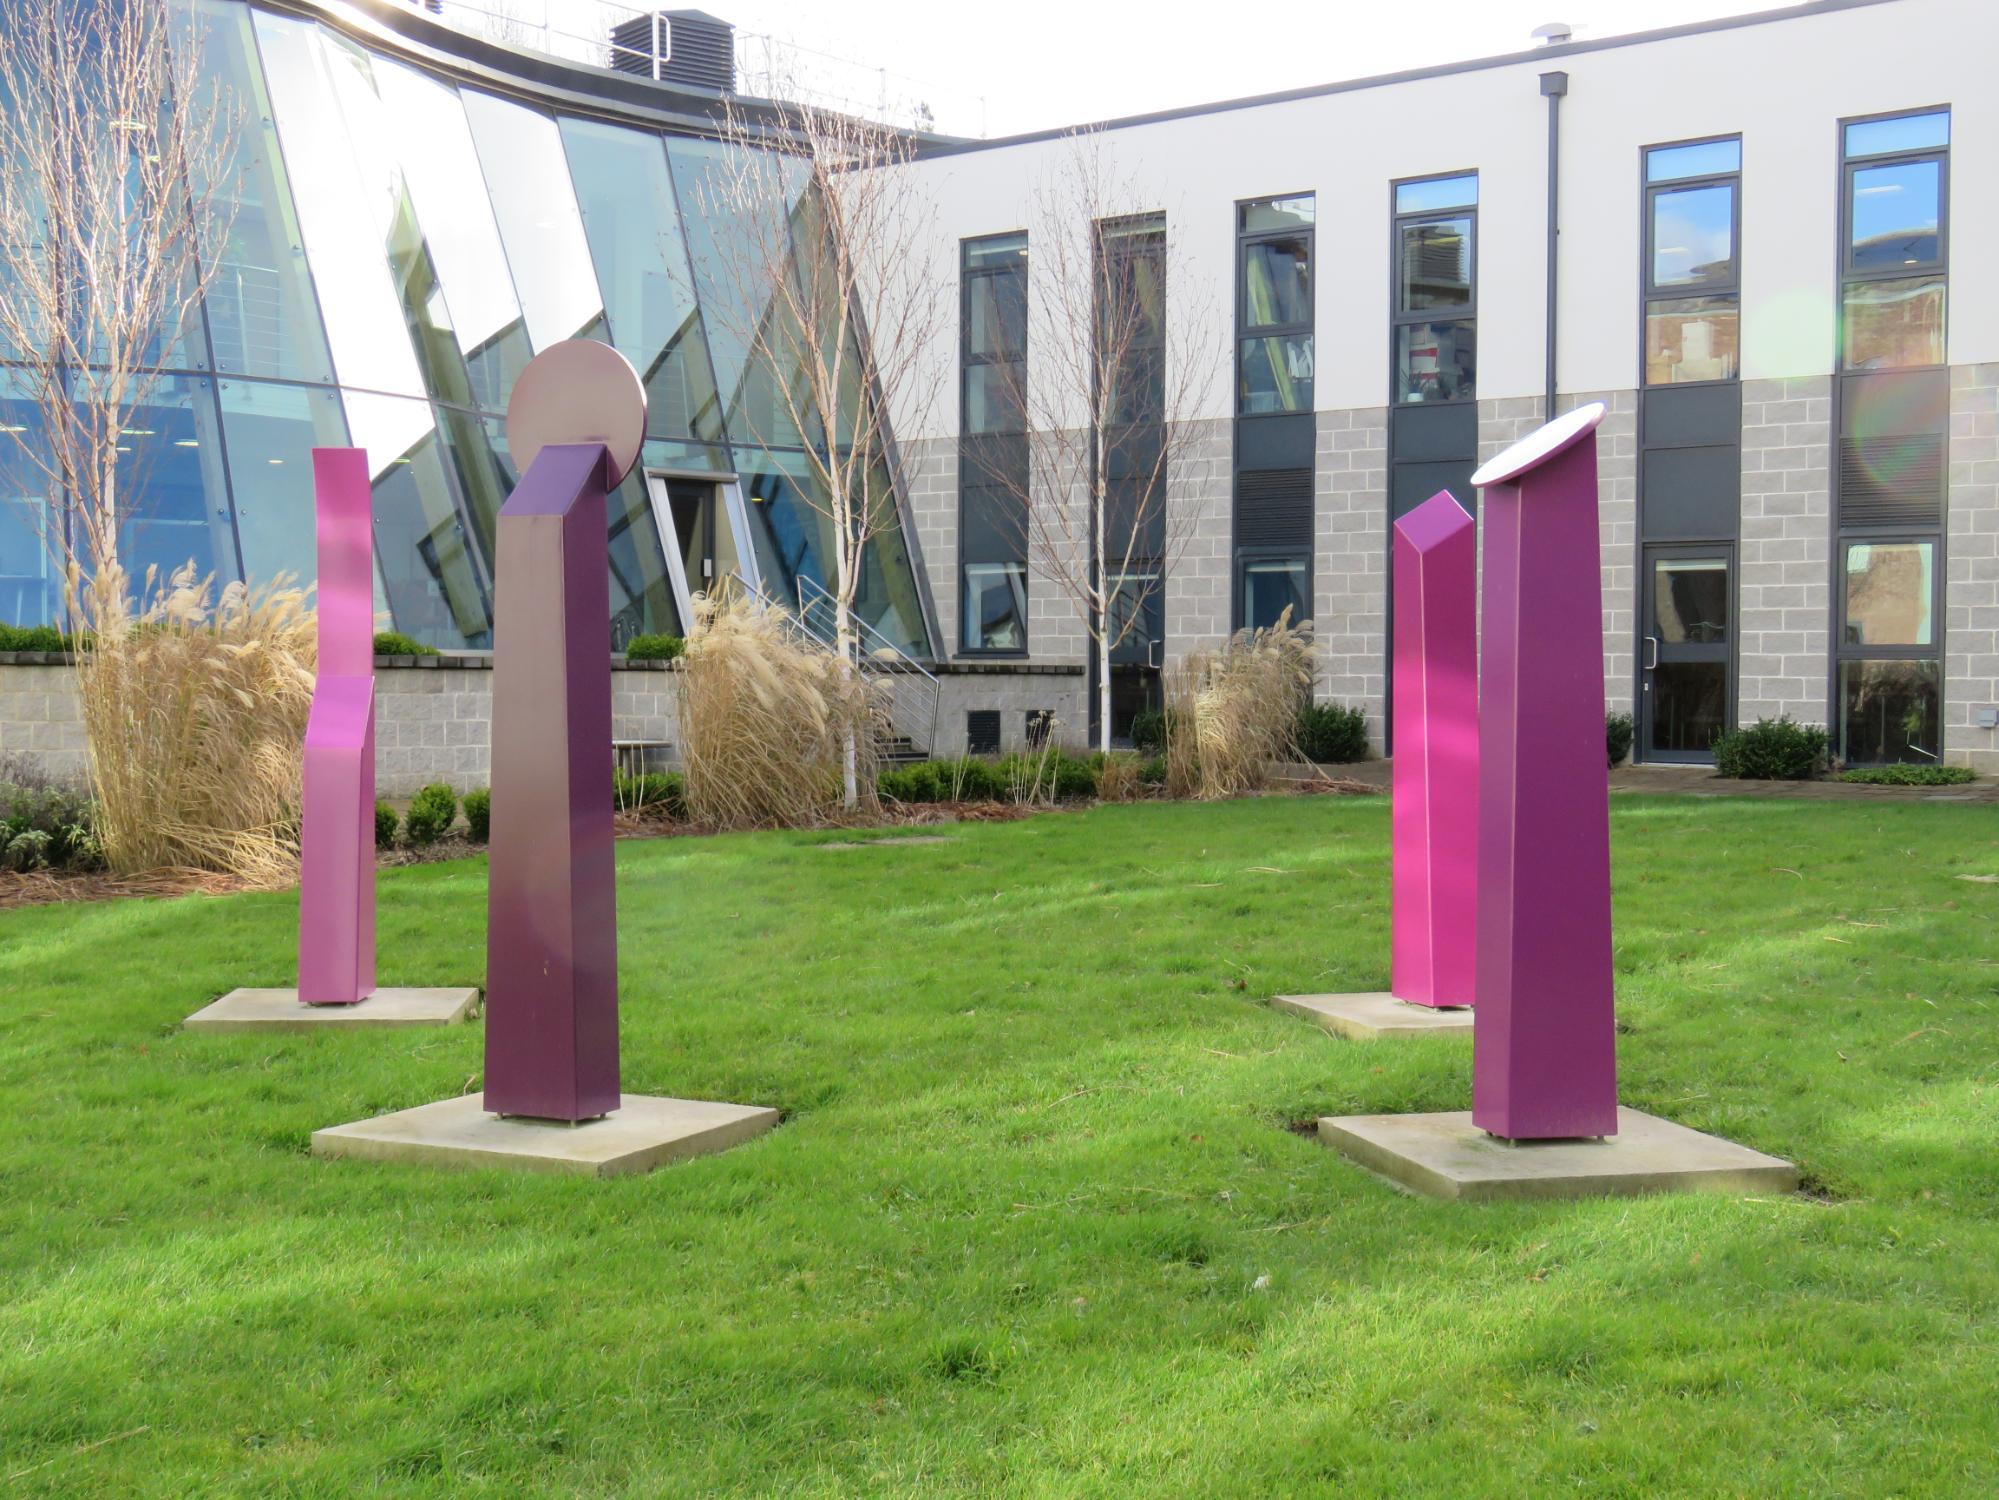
(968, 359)
(1244, 238)
(965, 646)
(1397, 318)
(1649, 292)
(1846, 275)
(1246, 557)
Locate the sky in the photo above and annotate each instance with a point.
(998, 69)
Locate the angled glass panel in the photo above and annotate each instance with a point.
(1903, 133)
(527, 178)
(1277, 282)
(1276, 375)
(1702, 159)
(1691, 338)
(1435, 193)
(343, 217)
(262, 319)
(1436, 361)
(30, 580)
(1436, 265)
(633, 227)
(1275, 213)
(1893, 214)
(173, 501)
(734, 251)
(1693, 237)
(271, 431)
(887, 597)
(433, 584)
(1889, 594)
(1894, 324)
(995, 606)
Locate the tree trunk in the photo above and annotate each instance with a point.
(1104, 686)
(845, 644)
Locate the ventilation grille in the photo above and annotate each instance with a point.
(982, 731)
(693, 48)
(1891, 481)
(1273, 508)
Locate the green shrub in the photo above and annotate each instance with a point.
(395, 643)
(385, 826)
(1899, 775)
(1148, 732)
(25, 851)
(32, 638)
(432, 812)
(479, 815)
(1153, 771)
(654, 648)
(1330, 734)
(1618, 730)
(45, 824)
(1075, 776)
(1771, 750)
(970, 780)
(664, 790)
(912, 783)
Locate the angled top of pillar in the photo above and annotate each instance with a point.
(343, 504)
(578, 391)
(1540, 445)
(1436, 520)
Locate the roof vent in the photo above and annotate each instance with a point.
(1553, 34)
(678, 46)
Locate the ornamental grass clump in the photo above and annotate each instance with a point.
(766, 716)
(1232, 714)
(194, 721)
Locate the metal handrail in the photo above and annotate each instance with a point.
(878, 652)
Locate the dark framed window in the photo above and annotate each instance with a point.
(1269, 583)
(992, 445)
(1894, 235)
(1892, 415)
(1692, 267)
(1274, 349)
(1434, 315)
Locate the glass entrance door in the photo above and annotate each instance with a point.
(1135, 659)
(1686, 675)
(702, 530)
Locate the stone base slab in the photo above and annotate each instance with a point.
(1446, 1156)
(1370, 1015)
(644, 1133)
(278, 1010)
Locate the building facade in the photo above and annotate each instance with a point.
(1762, 242)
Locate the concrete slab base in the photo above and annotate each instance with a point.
(279, 1010)
(1371, 1015)
(645, 1133)
(1446, 1156)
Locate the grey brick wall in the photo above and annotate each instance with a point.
(1617, 533)
(1350, 561)
(1015, 694)
(1784, 593)
(1971, 551)
(40, 720)
(930, 468)
(1199, 481)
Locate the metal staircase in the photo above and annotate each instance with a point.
(906, 690)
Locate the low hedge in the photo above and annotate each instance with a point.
(1771, 750)
(972, 779)
(654, 648)
(1618, 732)
(432, 812)
(1899, 775)
(386, 823)
(34, 638)
(479, 815)
(1331, 734)
(665, 790)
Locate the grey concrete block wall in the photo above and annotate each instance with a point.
(1015, 693)
(41, 721)
(1784, 589)
(1617, 537)
(1971, 553)
(930, 468)
(1350, 561)
(1200, 486)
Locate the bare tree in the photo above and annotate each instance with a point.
(107, 137)
(1107, 400)
(837, 316)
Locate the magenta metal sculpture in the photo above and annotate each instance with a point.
(574, 427)
(1544, 1059)
(1435, 775)
(336, 931)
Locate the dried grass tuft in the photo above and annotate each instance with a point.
(766, 716)
(194, 717)
(1232, 714)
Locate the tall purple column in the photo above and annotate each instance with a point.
(1544, 1061)
(552, 930)
(336, 933)
(1436, 755)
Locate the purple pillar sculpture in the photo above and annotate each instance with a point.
(552, 938)
(1544, 1061)
(1435, 772)
(336, 932)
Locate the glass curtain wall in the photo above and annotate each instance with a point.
(449, 235)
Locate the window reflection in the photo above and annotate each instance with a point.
(1436, 361)
(30, 584)
(1436, 265)
(1888, 594)
(1892, 215)
(169, 483)
(1894, 324)
(1694, 338)
(1269, 587)
(1277, 282)
(1277, 374)
(633, 227)
(1437, 192)
(1690, 600)
(996, 606)
(1888, 711)
(1275, 213)
(1701, 159)
(271, 432)
(1693, 237)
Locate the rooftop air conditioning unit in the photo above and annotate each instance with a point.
(678, 46)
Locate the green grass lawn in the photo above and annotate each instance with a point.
(1040, 1220)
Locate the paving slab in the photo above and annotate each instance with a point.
(1372, 1015)
(644, 1132)
(1446, 1156)
(281, 1010)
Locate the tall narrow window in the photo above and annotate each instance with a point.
(1436, 306)
(1692, 287)
(992, 445)
(1893, 415)
(1274, 437)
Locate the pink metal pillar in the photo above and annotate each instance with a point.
(1544, 1046)
(336, 930)
(1436, 755)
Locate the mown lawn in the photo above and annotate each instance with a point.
(1036, 1223)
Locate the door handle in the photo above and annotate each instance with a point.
(1651, 653)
